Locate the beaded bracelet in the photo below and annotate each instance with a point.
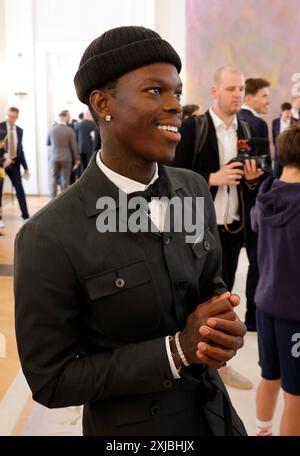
(179, 349)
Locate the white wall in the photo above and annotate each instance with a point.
(51, 36)
(3, 88)
(19, 76)
(83, 20)
(170, 24)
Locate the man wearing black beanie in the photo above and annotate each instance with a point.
(131, 322)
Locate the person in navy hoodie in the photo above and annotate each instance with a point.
(276, 218)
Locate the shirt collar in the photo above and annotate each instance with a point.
(286, 122)
(244, 106)
(8, 127)
(218, 122)
(124, 183)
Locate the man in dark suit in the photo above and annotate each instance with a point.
(98, 300)
(12, 155)
(85, 137)
(278, 126)
(296, 108)
(232, 188)
(256, 103)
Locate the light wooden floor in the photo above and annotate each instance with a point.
(9, 361)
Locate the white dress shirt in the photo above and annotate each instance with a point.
(226, 199)
(295, 113)
(284, 124)
(157, 215)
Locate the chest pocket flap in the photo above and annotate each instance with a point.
(205, 246)
(117, 280)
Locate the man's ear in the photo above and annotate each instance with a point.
(214, 91)
(248, 99)
(100, 102)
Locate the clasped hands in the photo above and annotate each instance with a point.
(213, 332)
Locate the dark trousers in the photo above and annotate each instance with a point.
(231, 247)
(83, 162)
(252, 279)
(1, 191)
(14, 174)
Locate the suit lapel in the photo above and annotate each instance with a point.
(212, 143)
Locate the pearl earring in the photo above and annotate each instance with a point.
(108, 118)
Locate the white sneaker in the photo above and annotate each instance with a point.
(1, 224)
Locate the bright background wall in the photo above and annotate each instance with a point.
(41, 42)
(259, 37)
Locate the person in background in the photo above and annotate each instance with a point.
(226, 180)
(276, 219)
(64, 154)
(12, 156)
(296, 108)
(191, 110)
(131, 323)
(256, 104)
(278, 126)
(85, 137)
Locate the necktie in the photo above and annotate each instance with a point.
(12, 144)
(159, 188)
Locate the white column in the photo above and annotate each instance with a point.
(170, 24)
(19, 47)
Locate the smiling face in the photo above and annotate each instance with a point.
(145, 115)
(261, 100)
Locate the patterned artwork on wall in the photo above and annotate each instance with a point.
(259, 37)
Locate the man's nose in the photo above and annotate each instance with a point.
(172, 104)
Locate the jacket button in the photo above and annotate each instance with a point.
(167, 240)
(119, 282)
(155, 410)
(206, 245)
(168, 383)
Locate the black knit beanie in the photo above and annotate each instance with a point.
(117, 52)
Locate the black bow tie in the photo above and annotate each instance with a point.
(159, 188)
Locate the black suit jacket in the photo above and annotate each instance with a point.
(276, 130)
(275, 133)
(84, 339)
(259, 127)
(84, 139)
(20, 160)
(208, 159)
